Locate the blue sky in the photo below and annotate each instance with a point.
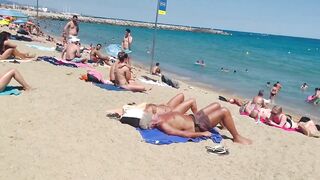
(284, 17)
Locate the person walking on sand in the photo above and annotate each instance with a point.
(127, 40)
(13, 73)
(71, 29)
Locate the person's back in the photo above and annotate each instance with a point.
(121, 74)
(71, 51)
(156, 70)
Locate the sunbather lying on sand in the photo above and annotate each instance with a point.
(13, 73)
(278, 119)
(176, 104)
(194, 125)
(9, 50)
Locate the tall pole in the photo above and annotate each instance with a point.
(37, 11)
(154, 36)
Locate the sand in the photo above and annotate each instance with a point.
(60, 131)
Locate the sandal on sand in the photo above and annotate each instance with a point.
(113, 116)
(219, 149)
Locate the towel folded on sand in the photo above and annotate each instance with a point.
(155, 136)
(109, 87)
(10, 90)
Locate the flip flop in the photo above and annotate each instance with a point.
(113, 116)
(219, 150)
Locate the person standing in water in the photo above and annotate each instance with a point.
(127, 40)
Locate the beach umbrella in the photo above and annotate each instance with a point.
(12, 13)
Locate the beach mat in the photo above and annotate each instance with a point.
(56, 62)
(109, 87)
(10, 90)
(157, 137)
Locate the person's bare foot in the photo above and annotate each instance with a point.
(242, 140)
(29, 88)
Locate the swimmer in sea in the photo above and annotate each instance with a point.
(268, 84)
(304, 86)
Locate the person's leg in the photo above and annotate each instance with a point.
(21, 55)
(13, 73)
(7, 53)
(176, 100)
(223, 115)
(211, 108)
(186, 105)
(134, 88)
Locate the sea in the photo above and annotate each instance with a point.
(250, 60)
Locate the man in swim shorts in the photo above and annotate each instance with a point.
(72, 52)
(71, 29)
(194, 125)
(96, 56)
(127, 40)
(156, 69)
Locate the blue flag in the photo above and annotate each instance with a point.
(162, 7)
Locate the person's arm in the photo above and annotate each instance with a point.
(65, 29)
(171, 131)
(78, 52)
(130, 42)
(8, 44)
(63, 52)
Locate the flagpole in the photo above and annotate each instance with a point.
(37, 11)
(154, 36)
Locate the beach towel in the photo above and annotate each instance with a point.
(143, 80)
(10, 90)
(109, 87)
(56, 62)
(155, 136)
(18, 61)
(42, 48)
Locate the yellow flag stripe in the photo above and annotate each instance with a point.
(162, 12)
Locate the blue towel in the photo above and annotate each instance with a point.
(155, 136)
(55, 62)
(109, 87)
(10, 90)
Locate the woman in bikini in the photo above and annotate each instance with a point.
(8, 50)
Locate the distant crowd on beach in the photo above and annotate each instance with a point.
(170, 117)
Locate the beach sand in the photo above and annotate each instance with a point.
(60, 131)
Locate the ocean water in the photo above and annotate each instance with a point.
(290, 60)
